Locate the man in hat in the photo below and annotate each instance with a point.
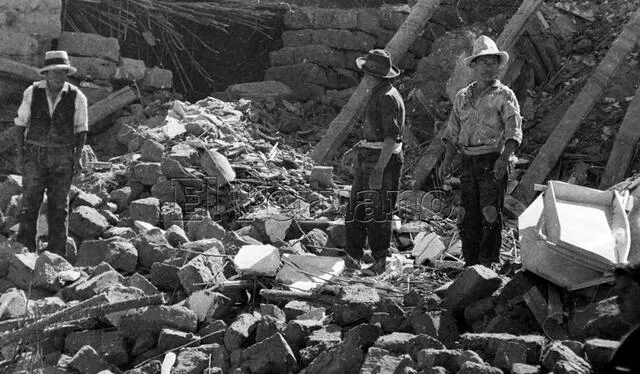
(52, 129)
(486, 127)
(377, 167)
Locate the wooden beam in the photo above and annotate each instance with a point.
(506, 41)
(340, 127)
(18, 71)
(111, 103)
(623, 148)
(552, 149)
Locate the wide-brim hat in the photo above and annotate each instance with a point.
(485, 46)
(57, 60)
(378, 63)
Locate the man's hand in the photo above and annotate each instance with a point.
(444, 170)
(375, 179)
(500, 167)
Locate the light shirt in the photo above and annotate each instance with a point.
(482, 125)
(80, 117)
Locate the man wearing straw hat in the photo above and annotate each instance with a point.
(52, 129)
(377, 168)
(486, 127)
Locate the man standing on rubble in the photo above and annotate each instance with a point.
(486, 127)
(52, 129)
(378, 164)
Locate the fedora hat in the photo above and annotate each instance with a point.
(484, 46)
(378, 63)
(57, 60)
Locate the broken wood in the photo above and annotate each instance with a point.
(538, 306)
(506, 41)
(340, 127)
(555, 306)
(18, 71)
(552, 149)
(542, 43)
(623, 148)
(281, 295)
(111, 103)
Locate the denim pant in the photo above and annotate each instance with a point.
(482, 200)
(370, 212)
(49, 168)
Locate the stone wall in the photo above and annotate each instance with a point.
(26, 31)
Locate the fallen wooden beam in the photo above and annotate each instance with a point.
(18, 71)
(111, 103)
(340, 127)
(623, 149)
(506, 41)
(281, 295)
(552, 149)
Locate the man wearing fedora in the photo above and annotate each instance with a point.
(377, 167)
(52, 129)
(486, 127)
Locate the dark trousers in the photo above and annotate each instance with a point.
(482, 201)
(369, 212)
(49, 168)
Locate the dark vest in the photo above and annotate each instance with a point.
(372, 129)
(57, 129)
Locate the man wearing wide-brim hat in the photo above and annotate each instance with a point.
(377, 167)
(52, 129)
(486, 127)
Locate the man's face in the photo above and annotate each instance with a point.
(628, 298)
(486, 68)
(55, 79)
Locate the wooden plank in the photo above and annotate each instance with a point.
(111, 103)
(18, 71)
(552, 149)
(538, 305)
(623, 149)
(539, 39)
(554, 303)
(506, 41)
(340, 127)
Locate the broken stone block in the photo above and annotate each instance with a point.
(144, 343)
(260, 260)
(524, 369)
(122, 232)
(487, 344)
(157, 78)
(476, 368)
(329, 334)
(87, 223)
(121, 197)
(21, 269)
(93, 67)
(91, 45)
(475, 283)
(273, 311)
(154, 318)
(296, 332)
(117, 252)
(46, 271)
(190, 360)
(216, 166)
(209, 305)
(176, 236)
(267, 326)
(204, 228)
(87, 199)
(357, 302)
(382, 361)
(317, 314)
(427, 246)
(112, 219)
(448, 358)
(601, 319)
(439, 324)
(151, 151)
(15, 304)
(325, 268)
(321, 177)
(168, 191)
(131, 69)
(108, 344)
(214, 332)
(272, 355)
(204, 269)
(558, 353)
(87, 288)
(217, 355)
(153, 247)
(47, 305)
(509, 353)
(87, 360)
(147, 173)
(164, 275)
(405, 343)
(364, 335)
(343, 358)
(140, 282)
(599, 352)
(239, 331)
(170, 339)
(295, 308)
(476, 310)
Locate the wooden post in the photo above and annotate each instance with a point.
(552, 149)
(506, 41)
(626, 140)
(340, 127)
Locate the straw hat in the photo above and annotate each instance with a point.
(57, 60)
(484, 46)
(378, 63)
